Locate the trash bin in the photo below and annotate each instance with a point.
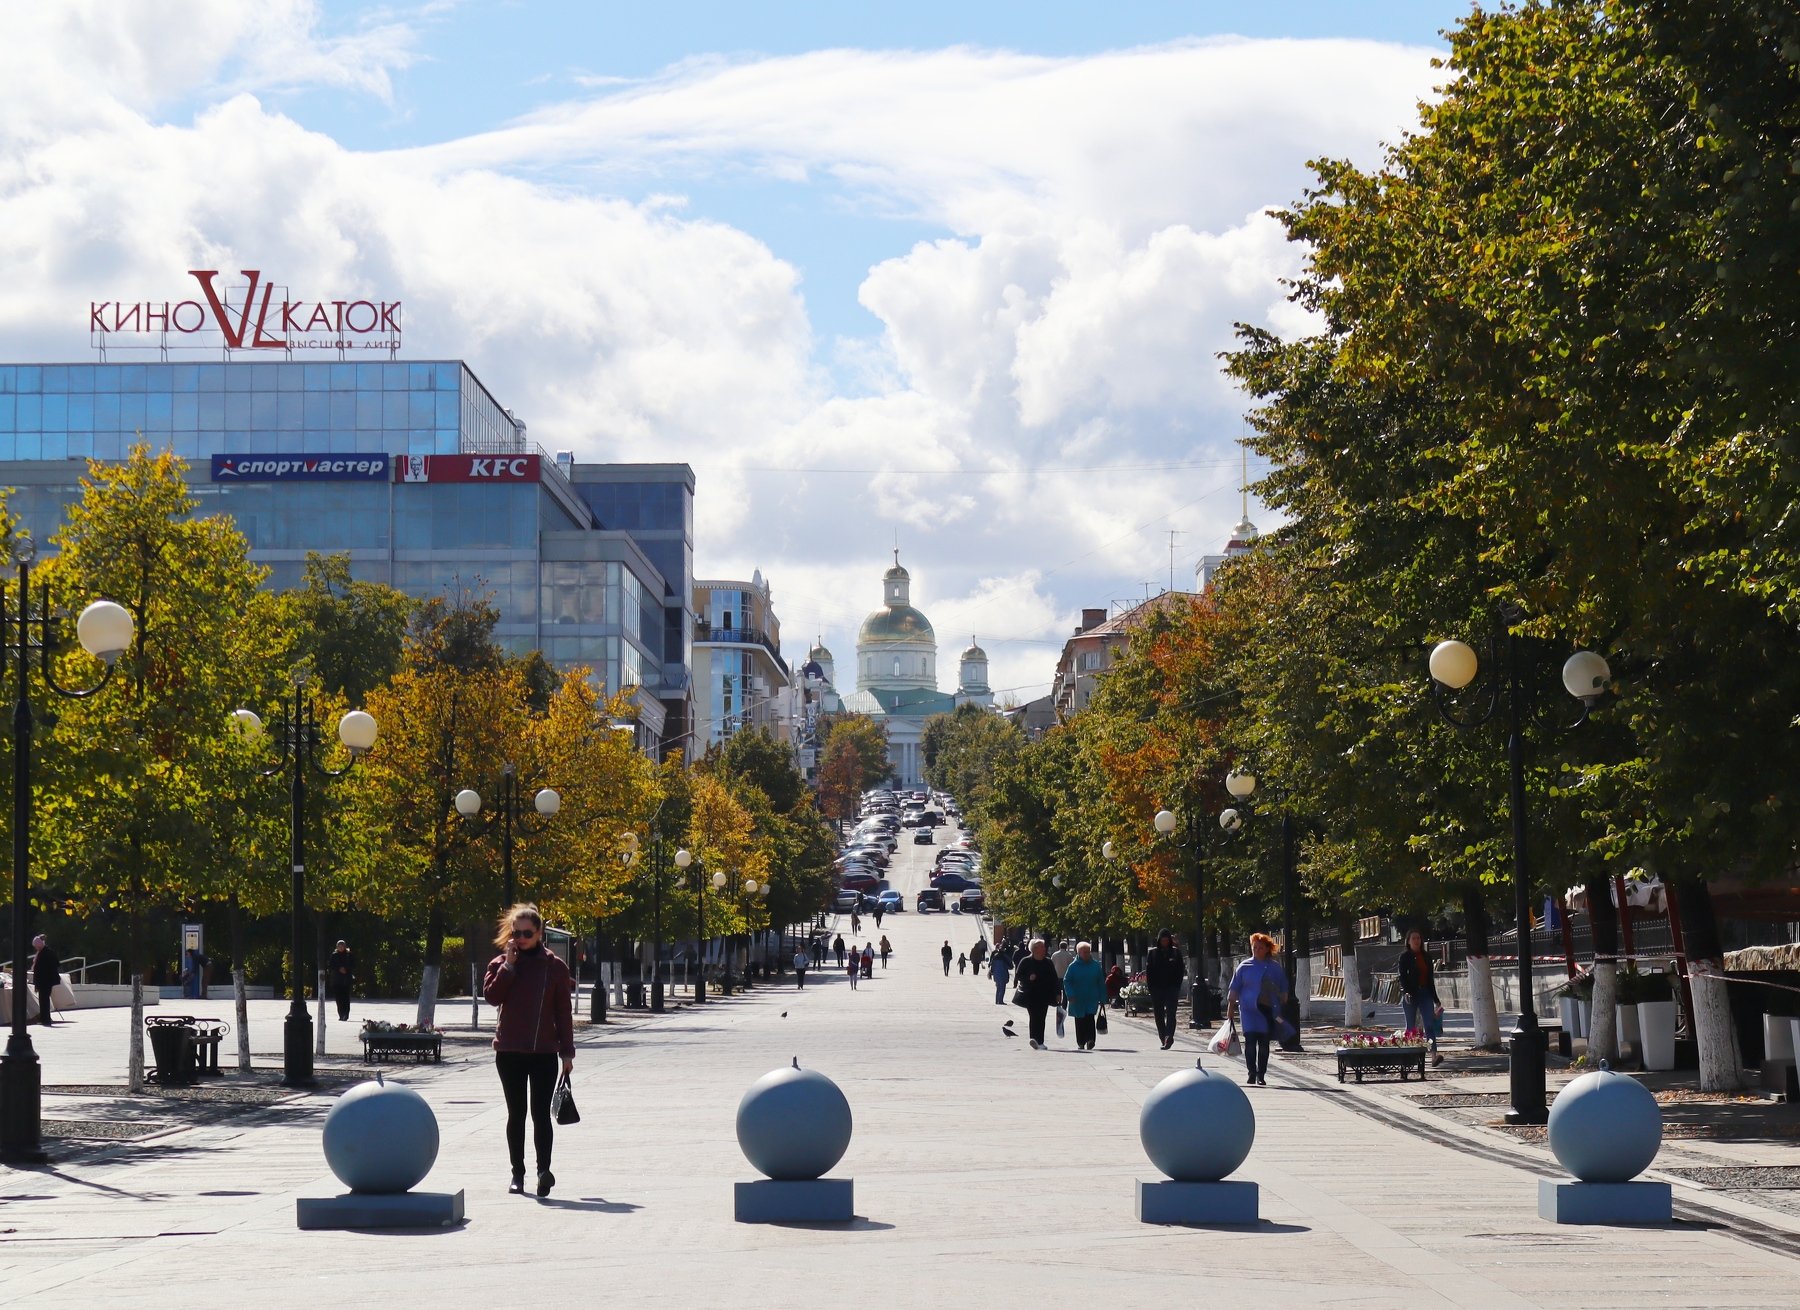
(634, 994)
(172, 1047)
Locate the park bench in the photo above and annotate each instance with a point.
(419, 1047)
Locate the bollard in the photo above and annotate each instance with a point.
(794, 1124)
(1605, 1128)
(1197, 1127)
(380, 1139)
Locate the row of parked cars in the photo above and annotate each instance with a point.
(862, 867)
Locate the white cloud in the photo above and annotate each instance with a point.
(1103, 228)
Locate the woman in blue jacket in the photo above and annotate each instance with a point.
(1258, 991)
(1084, 989)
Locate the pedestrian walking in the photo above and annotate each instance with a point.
(801, 965)
(1418, 993)
(818, 949)
(1000, 970)
(962, 962)
(855, 922)
(947, 955)
(46, 972)
(1039, 988)
(193, 974)
(1084, 990)
(868, 960)
(1062, 957)
(1258, 989)
(1164, 968)
(878, 913)
(978, 953)
(340, 972)
(855, 969)
(838, 946)
(531, 988)
(887, 949)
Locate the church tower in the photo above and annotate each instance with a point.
(972, 678)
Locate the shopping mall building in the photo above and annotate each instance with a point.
(413, 470)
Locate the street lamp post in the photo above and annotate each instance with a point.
(1454, 665)
(546, 803)
(297, 743)
(684, 858)
(1166, 823)
(1242, 786)
(105, 630)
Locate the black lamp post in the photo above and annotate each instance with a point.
(105, 630)
(297, 745)
(1242, 786)
(511, 819)
(1454, 665)
(684, 858)
(1167, 822)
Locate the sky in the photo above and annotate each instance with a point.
(952, 277)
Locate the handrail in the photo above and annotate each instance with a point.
(68, 966)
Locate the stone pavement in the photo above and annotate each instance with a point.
(984, 1171)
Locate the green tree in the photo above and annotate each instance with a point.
(348, 631)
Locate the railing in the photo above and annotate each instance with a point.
(748, 636)
(1368, 927)
(68, 968)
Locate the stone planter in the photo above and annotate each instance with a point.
(1360, 1060)
(1778, 1037)
(1568, 1009)
(1656, 1023)
(1630, 1035)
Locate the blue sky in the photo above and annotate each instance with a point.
(485, 62)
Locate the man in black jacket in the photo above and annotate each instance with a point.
(46, 972)
(1039, 987)
(1164, 968)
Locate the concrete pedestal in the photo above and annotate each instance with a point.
(1197, 1203)
(1604, 1203)
(370, 1210)
(818, 1201)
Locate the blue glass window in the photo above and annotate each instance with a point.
(159, 412)
(212, 377)
(56, 379)
(30, 414)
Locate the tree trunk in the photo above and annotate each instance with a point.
(1303, 962)
(319, 954)
(434, 959)
(1721, 1065)
(1353, 997)
(134, 1061)
(239, 994)
(1485, 1012)
(1603, 918)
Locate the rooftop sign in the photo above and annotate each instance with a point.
(244, 317)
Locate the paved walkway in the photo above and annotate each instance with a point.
(984, 1172)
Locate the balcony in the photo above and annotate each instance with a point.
(704, 631)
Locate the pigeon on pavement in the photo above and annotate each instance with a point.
(1008, 1032)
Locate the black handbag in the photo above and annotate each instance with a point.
(1100, 1020)
(562, 1103)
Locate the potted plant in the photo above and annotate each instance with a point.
(1573, 1001)
(1136, 996)
(1656, 1020)
(1401, 1053)
(1625, 1021)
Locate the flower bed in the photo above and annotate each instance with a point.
(391, 1041)
(1382, 1053)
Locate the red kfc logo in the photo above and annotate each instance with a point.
(470, 468)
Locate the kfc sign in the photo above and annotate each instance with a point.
(469, 468)
(301, 468)
(247, 317)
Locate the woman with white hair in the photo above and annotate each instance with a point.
(1037, 988)
(1084, 990)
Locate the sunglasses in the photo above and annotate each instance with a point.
(524, 934)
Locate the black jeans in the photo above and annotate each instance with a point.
(342, 997)
(800, 978)
(1037, 1013)
(1084, 1031)
(517, 1069)
(1256, 1054)
(44, 998)
(1163, 1003)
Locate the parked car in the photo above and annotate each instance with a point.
(922, 837)
(928, 900)
(844, 902)
(954, 882)
(861, 882)
(892, 902)
(973, 902)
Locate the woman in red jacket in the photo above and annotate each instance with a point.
(530, 986)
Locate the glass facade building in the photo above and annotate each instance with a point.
(453, 495)
(740, 679)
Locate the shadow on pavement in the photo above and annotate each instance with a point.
(456, 1227)
(594, 1204)
(856, 1225)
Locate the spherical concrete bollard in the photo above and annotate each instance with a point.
(1197, 1126)
(381, 1138)
(1605, 1127)
(793, 1124)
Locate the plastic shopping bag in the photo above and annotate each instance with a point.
(1060, 1012)
(1225, 1041)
